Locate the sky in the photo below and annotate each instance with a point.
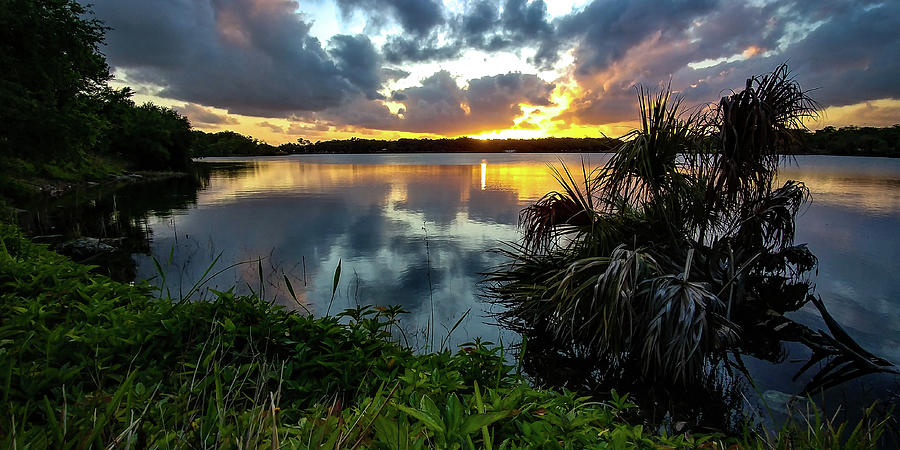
(283, 70)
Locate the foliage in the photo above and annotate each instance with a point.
(60, 116)
(462, 145)
(680, 249)
(89, 362)
(854, 141)
(228, 143)
(148, 136)
(52, 69)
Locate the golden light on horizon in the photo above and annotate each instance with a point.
(529, 180)
(541, 121)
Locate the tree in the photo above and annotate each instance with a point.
(53, 70)
(147, 136)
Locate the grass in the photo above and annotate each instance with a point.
(87, 362)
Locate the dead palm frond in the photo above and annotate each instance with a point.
(559, 213)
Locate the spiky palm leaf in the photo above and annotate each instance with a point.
(647, 165)
(685, 325)
(669, 193)
(755, 127)
(559, 213)
(769, 222)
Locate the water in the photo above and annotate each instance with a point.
(417, 230)
(372, 213)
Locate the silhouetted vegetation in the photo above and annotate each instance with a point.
(465, 145)
(845, 141)
(229, 143)
(648, 273)
(853, 141)
(147, 137)
(62, 121)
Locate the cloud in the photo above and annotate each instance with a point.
(418, 17)
(253, 57)
(203, 117)
(308, 129)
(607, 29)
(483, 25)
(440, 106)
(845, 50)
(879, 113)
(401, 49)
(357, 58)
(275, 128)
(258, 57)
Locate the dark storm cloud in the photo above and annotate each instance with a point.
(856, 55)
(438, 105)
(357, 58)
(250, 56)
(849, 55)
(481, 17)
(608, 28)
(846, 60)
(483, 25)
(257, 57)
(402, 49)
(415, 16)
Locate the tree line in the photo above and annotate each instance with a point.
(853, 141)
(844, 141)
(58, 108)
(229, 143)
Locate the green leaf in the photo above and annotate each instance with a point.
(228, 325)
(474, 422)
(434, 423)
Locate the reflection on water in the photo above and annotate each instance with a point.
(850, 226)
(369, 212)
(303, 214)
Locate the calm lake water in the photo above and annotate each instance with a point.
(417, 231)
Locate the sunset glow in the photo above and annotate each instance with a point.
(285, 70)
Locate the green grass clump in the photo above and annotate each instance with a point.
(87, 362)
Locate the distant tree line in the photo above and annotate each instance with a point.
(465, 145)
(848, 141)
(57, 107)
(228, 143)
(853, 141)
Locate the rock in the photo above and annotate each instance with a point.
(85, 247)
(792, 405)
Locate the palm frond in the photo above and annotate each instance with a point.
(755, 127)
(768, 222)
(559, 213)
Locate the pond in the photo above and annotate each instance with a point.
(418, 231)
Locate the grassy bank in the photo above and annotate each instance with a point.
(89, 362)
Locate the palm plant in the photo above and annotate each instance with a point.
(679, 249)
